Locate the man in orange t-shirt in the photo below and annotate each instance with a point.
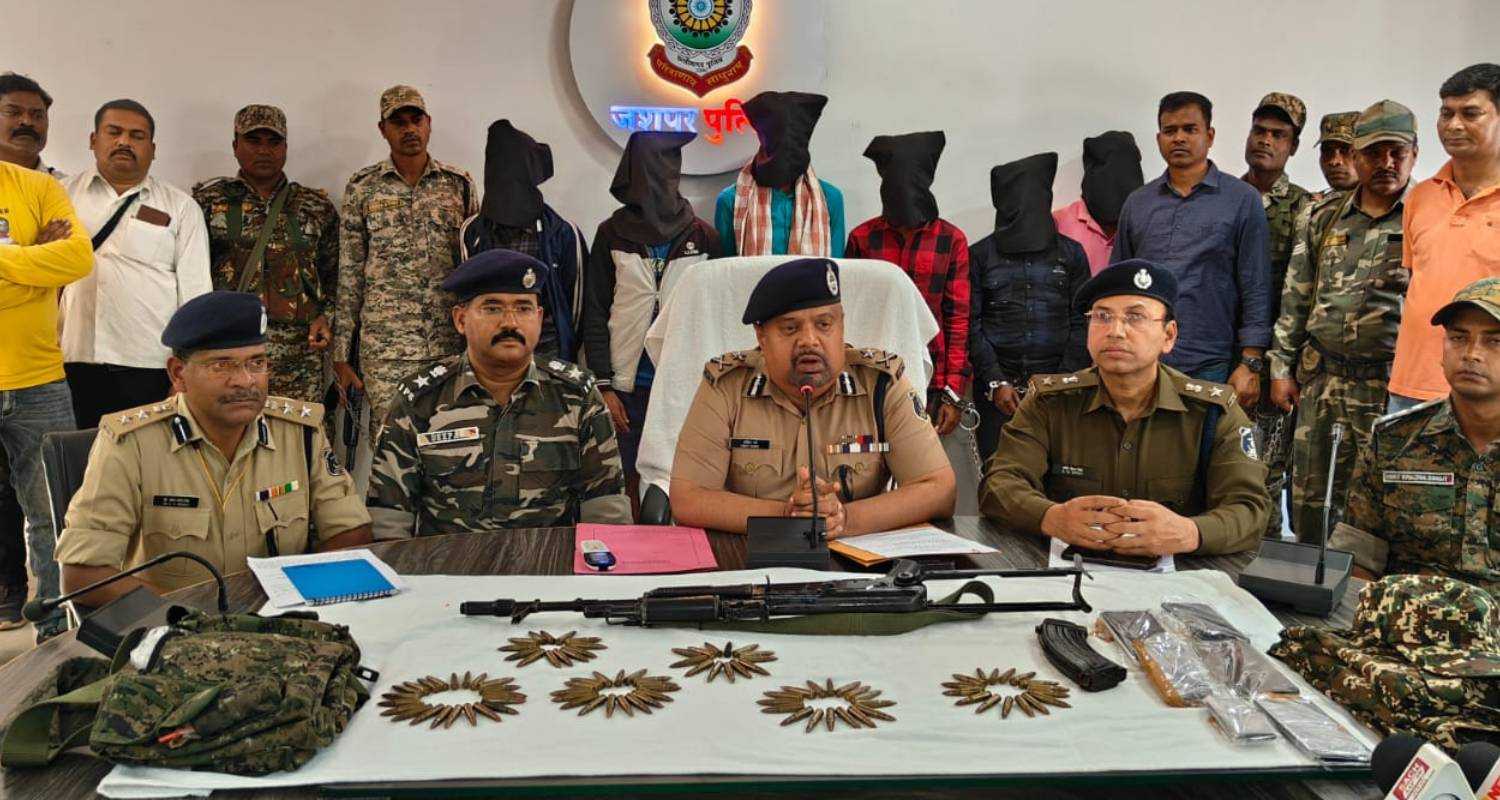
(1451, 231)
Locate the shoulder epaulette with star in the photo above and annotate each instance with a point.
(1420, 410)
(208, 184)
(719, 366)
(414, 386)
(298, 411)
(569, 373)
(1064, 381)
(1221, 394)
(120, 423)
(882, 360)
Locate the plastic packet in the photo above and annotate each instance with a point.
(1239, 720)
(1242, 669)
(1129, 627)
(1314, 732)
(1174, 669)
(1201, 621)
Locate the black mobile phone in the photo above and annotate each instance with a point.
(1110, 559)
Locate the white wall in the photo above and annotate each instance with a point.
(1004, 79)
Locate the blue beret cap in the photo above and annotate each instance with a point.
(216, 321)
(1131, 276)
(504, 271)
(793, 286)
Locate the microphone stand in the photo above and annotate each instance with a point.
(1333, 461)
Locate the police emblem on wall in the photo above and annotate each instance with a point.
(699, 47)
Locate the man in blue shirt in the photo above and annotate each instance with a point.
(1210, 230)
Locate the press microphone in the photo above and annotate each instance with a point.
(815, 529)
(1480, 762)
(38, 609)
(1407, 768)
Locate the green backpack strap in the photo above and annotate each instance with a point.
(861, 623)
(58, 724)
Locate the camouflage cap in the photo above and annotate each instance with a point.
(1338, 127)
(1385, 121)
(398, 97)
(1440, 624)
(1483, 294)
(1288, 104)
(259, 118)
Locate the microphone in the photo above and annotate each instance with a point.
(38, 609)
(1333, 460)
(1407, 768)
(1480, 762)
(816, 530)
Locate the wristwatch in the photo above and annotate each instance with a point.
(1257, 364)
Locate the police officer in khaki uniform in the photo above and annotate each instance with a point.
(218, 469)
(1130, 455)
(742, 451)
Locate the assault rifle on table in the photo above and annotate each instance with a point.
(901, 591)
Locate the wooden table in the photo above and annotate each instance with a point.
(549, 551)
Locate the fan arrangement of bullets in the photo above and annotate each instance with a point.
(408, 701)
(861, 705)
(728, 661)
(1032, 701)
(645, 692)
(559, 651)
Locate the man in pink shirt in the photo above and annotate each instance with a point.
(1111, 171)
(1451, 229)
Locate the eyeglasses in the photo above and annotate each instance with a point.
(17, 112)
(1132, 319)
(228, 367)
(518, 310)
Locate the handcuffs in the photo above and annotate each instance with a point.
(966, 409)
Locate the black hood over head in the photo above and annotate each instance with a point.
(1022, 194)
(1111, 171)
(647, 181)
(907, 165)
(514, 165)
(784, 121)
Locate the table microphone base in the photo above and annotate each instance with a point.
(107, 626)
(1283, 572)
(782, 542)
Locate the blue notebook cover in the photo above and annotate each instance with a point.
(337, 581)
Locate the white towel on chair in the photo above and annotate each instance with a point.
(701, 319)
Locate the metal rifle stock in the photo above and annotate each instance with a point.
(902, 590)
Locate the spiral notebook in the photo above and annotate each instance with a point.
(338, 581)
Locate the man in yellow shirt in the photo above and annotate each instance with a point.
(34, 398)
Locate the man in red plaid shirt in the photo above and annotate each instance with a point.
(933, 251)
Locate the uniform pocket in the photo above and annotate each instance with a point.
(285, 519)
(1486, 240)
(168, 529)
(1425, 513)
(1062, 488)
(1173, 492)
(147, 243)
(864, 471)
(757, 473)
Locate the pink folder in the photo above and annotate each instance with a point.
(646, 549)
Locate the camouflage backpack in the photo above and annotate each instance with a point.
(1423, 657)
(236, 693)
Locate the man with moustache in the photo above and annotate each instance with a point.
(279, 239)
(494, 438)
(219, 469)
(1333, 342)
(150, 257)
(1130, 455)
(25, 113)
(743, 453)
(398, 241)
(1336, 153)
(1422, 499)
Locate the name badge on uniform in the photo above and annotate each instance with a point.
(271, 492)
(1336, 240)
(431, 438)
(859, 444)
(750, 444)
(1070, 471)
(174, 501)
(1416, 477)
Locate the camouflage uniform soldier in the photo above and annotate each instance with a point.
(493, 439)
(1332, 346)
(295, 270)
(1336, 153)
(1275, 131)
(1423, 494)
(398, 242)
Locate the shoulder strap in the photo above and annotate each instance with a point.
(30, 740)
(252, 264)
(882, 386)
(109, 227)
(1205, 455)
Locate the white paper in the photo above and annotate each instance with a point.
(922, 540)
(282, 593)
(1054, 559)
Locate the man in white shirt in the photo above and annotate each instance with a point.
(150, 260)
